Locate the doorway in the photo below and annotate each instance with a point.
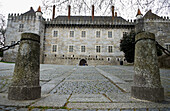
(83, 62)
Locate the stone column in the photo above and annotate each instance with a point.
(147, 84)
(25, 82)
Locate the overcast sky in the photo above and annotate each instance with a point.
(22, 6)
(18, 6)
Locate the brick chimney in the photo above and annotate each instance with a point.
(92, 12)
(69, 10)
(115, 14)
(53, 16)
(112, 12)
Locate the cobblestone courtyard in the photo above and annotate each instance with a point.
(83, 88)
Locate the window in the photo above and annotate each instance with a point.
(167, 46)
(83, 48)
(70, 48)
(21, 26)
(125, 33)
(97, 34)
(71, 33)
(55, 33)
(109, 34)
(160, 29)
(83, 34)
(12, 42)
(110, 49)
(54, 48)
(98, 50)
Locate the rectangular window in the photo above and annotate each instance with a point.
(167, 46)
(12, 42)
(124, 34)
(54, 48)
(55, 33)
(97, 34)
(110, 49)
(21, 26)
(109, 34)
(98, 50)
(71, 33)
(83, 48)
(83, 34)
(71, 48)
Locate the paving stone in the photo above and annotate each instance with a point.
(4, 101)
(88, 98)
(127, 109)
(114, 110)
(102, 110)
(153, 109)
(53, 100)
(121, 97)
(11, 108)
(116, 105)
(2, 107)
(142, 109)
(22, 109)
(46, 88)
(50, 109)
(61, 110)
(164, 109)
(36, 109)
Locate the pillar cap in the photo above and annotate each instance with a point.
(30, 36)
(145, 35)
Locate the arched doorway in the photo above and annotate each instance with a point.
(83, 62)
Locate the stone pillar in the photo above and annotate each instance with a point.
(25, 82)
(147, 84)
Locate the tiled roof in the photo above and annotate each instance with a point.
(89, 18)
(31, 12)
(39, 9)
(139, 12)
(150, 15)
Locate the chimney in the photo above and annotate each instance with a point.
(112, 12)
(53, 16)
(115, 14)
(69, 8)
(92, 12)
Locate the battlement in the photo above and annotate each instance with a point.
(161, 19)
(15, 17)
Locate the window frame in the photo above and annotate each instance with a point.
(69, 48)
(53, 34)
(111, 34)
(96, 34)
(97, 48)
(108, 48)
(84, 49)
(71, 34)
(52, 47)
(82, 34)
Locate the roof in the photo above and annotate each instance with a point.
(89, 18)
(31, 12)
(150, 15)
(139, 12)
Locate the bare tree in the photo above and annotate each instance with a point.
(2, 30)
(125, 8)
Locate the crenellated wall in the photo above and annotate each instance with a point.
(31, 24)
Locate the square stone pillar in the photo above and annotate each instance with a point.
(25, 82)
(147, 84)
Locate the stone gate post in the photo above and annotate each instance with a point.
(147, 84)
(25, 82)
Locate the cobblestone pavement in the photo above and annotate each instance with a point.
(88, 88)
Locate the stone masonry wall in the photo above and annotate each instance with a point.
(64, 57)
(31, 24)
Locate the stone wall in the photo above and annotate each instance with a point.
(63, 56)
(31, 24)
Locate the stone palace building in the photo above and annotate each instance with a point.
(73, 40)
